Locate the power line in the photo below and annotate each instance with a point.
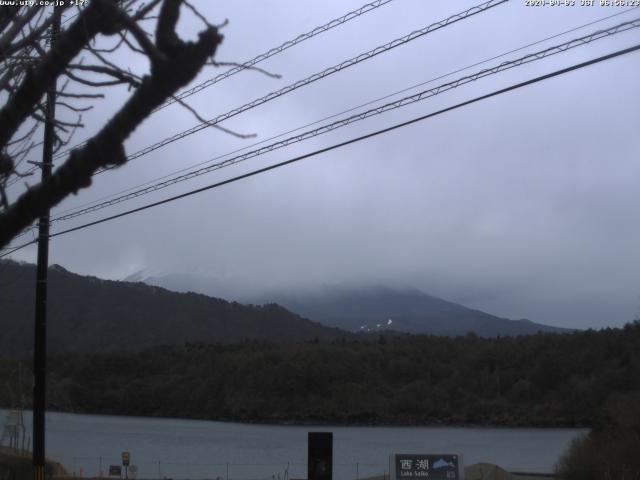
(348, 110)
(613, 30)
(264, 56)
(360, 116)
(276, 50)
(360, 138)
(535, 56)
(317, 76)
(15, 249)
(348, 142)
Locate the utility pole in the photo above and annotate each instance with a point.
(40, 337)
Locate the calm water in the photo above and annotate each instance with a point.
(191, 449)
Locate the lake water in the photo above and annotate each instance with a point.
(193, 449)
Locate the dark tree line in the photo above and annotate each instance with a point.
(610, 450)
(545, 379)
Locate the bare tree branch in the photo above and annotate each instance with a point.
(197, 13)
(175, 68)
(16, 28)
(80, 95)
(154, 54)
(74, 108)
(108, 83)
(99, 16)
(141, 14)
(211, 124)
(246, 67)
(32, 37)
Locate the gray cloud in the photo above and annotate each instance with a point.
(524, 205)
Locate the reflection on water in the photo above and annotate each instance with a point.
(192, 449)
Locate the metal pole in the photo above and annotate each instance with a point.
(390, 467)
(40, 337)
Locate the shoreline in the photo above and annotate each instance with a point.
(332, 422)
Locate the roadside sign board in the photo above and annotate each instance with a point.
(115, 470)
(426, 467)
(125, 459)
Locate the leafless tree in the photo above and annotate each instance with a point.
(79, 65)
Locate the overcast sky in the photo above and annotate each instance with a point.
(524, 205)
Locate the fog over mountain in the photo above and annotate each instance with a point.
(370, 309)
(364, 308)
(524, 205)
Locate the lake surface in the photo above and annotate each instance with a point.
(193, 449)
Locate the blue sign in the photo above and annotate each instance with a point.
(426, 467)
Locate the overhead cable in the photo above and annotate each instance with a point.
(360, 116)
(343, 144)
(263, 56)
(349, 110)
(276, 50)
(319, 76)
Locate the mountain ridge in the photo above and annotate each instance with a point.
(88, 314)
(407, 310)
(369, 308)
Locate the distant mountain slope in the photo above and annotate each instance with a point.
(365, 309)
(406, 310)
(87, 314)
(227, 288)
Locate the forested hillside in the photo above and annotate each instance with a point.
(373, 309)
(88, 314)
(544, 379)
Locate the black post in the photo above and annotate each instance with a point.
(320, 456)
(40, 336)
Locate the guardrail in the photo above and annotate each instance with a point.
(98, 467)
